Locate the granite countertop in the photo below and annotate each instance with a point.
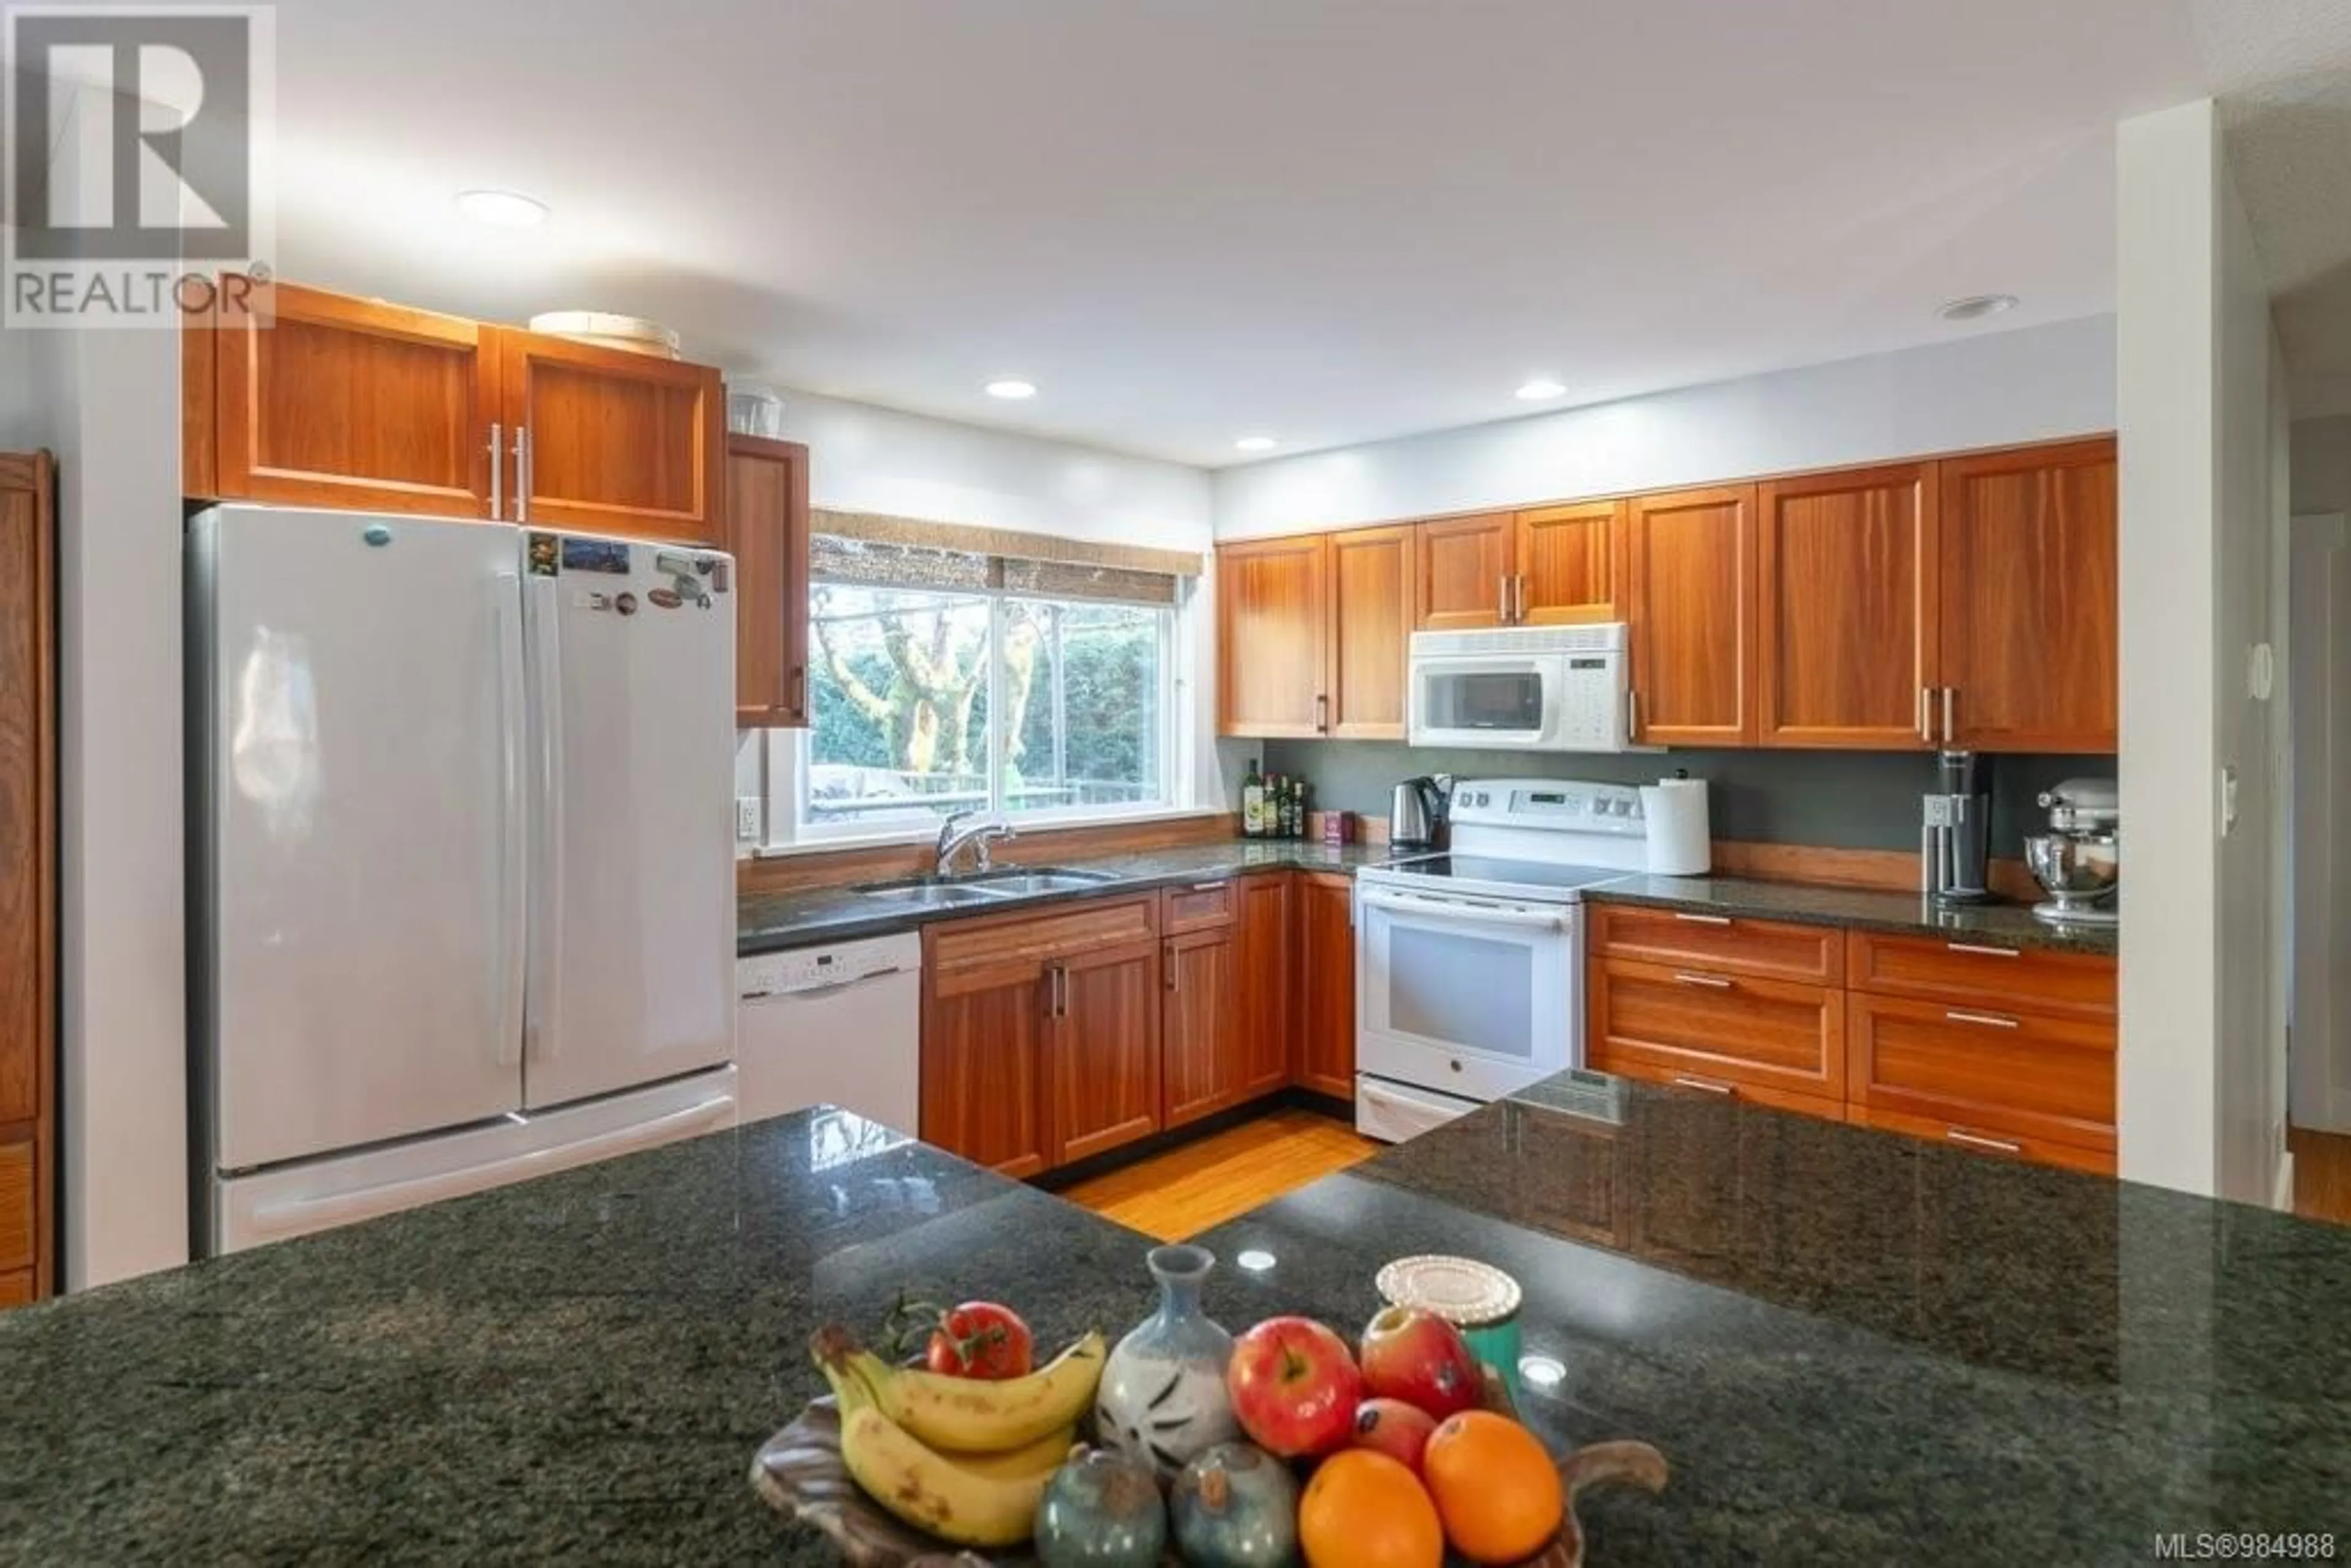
(770, 922)
(1854, 1348)
(1999, 925)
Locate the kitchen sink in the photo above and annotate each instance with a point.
(933, 895)
(1041, 879)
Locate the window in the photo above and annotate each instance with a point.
(960, 684)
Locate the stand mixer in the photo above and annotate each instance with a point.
(2078, 862)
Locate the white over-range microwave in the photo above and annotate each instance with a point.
(1524, 688)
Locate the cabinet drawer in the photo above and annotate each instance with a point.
(984, 951)
(17, 1289)
(2013, 1074)
(1956, 969)
(1769, 949)
(16, 1228)
(1196, 907)
(1998, 1145)
(1716, 1028)
(1725, 1088)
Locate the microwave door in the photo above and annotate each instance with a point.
(1476, 702)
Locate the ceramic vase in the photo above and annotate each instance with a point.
(1162, 1398)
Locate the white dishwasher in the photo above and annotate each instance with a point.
(840, 1025)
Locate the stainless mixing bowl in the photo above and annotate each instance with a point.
(2075, 869)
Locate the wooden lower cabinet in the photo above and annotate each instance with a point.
(1104, 1048)
(1768, 949)
(17, 1289)
(2001, 1145)
(1999, 1075)
(1728, 1089)
(1202, 1069)
(1263, 942)
(1715, 1028)
(1326, 984)
(983, 1064)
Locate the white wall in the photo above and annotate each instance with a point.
(1988, 390)
(2322, 465)
(2200, 413)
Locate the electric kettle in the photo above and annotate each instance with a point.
(1413, 816)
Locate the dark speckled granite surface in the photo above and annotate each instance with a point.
(1854, 1348)
(2000, 925)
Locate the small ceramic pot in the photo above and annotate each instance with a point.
(1162, 1398)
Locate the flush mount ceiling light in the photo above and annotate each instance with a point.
(1012, 389)
(1256, 444)
(502, 209)
(1540, 388)
(1976, 306)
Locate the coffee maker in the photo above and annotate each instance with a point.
(1955, 839)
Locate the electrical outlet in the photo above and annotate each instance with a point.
(747, 818)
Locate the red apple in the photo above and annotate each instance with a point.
(1421, 1359)
(1294, 1387)
(1393, 1427)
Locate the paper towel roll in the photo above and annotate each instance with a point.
(1681, 837)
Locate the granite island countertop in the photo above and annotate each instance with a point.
(1852, 1347)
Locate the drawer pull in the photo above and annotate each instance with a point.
(1722, 1089)
(1701, 919)
(1978, 1141)
(1207, 888)
(1711, 982)
(1989, 1021)
(1982, 952)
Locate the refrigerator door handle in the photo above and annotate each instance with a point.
(302, 1215)
(514, 829)
(545, 984)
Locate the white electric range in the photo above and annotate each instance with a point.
(1469, 964)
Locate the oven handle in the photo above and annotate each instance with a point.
(1484, 913)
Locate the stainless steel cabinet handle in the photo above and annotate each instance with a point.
(1950, 733)
(1631, 716)
(1977, 1141)
(1983, 952)
(1175, 969)
(1502, 599)
(1990, 1021)
(1208, 887)
(799, 691)
(1926, 717)
(522, 474)
(1711, 982)
(1519, 594)
(1725, 1089)
(1696, 919)
(1321, 713)
(498, 469)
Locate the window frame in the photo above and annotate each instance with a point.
(790, 752)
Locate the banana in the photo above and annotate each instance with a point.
(1043, 1457)
(972, 1416)
(951, 1497)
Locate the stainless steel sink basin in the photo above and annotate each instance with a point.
(1041, 879)
(933, 895)
(987, 887)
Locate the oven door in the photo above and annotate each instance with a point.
(1500, 700)
(1473, 997)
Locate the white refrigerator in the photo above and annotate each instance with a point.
(462, 902)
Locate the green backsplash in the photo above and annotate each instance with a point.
(1842, 799)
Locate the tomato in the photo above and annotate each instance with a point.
(980, 1339)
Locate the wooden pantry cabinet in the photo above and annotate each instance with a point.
(299, 397)
(28, 888)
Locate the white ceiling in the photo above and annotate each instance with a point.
(1188, 220)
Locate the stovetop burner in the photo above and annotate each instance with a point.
(1495, 871)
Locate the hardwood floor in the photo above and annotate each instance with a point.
(2322, 1175)
(1186, 1191)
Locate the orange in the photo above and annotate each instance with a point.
(1365, 1510)
(1496, 1486)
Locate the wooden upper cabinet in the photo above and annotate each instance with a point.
(326, 400)
(768, 534)
(1370, 634)
(1271, 626)
(615, 442)
(1570, 564)
(1466, 565)
(2028, 625)
(1846, 567)
(1104, 1050)
(1692, 577)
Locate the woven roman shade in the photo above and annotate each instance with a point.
(878, 551)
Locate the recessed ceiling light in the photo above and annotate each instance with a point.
(1256, 444)
(1539, 389)
(1011, 389)
(502, 209)
(1976, 306)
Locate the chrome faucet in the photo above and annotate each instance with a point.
(953, 837)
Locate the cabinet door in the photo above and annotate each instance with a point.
(1844, 627)
(1692, 616)
(2027, 626)
(1326, 972)
(1271, 620)
(1262, 939)
(768, 534)
(1103, 1050)
(983, 1093)
(1200, 1048)
(1370, 633)
(618, 443)
(354, 404)
(1570, 564)
(1465, 563)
